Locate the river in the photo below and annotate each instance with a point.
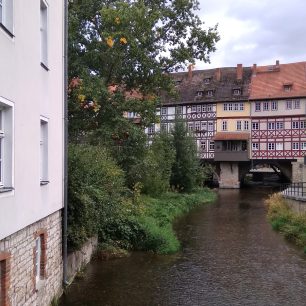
(230, 256)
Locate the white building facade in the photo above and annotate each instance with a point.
(31, 150)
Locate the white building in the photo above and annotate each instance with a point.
(31, 150)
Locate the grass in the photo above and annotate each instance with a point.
(290, 224)
(156, 221)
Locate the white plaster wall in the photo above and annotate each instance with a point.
(34, 92)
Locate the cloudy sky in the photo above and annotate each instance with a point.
(256, 31)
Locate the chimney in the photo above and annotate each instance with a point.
(190, 68)
(239, 71)
(277, 65)
(218, 74)
(254, 68)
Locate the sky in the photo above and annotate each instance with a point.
(255, 31)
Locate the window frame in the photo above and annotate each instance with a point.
(271, 126)
(211, 145)
(295, 125)
(246, 125)
(295, 146)
(164, 111)
(289, 104)
(266, 106)
(296, 104)
(224, 125)
(7, 17)
(238, 125)
(44, 34)
(44, 144)
(255, 124)
(271, 146)
(255, 146)
(257, 106)
(274, 105)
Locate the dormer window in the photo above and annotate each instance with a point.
(209, 93)
(200, 93)
(237, 92)
(287, 87)
(207, 80)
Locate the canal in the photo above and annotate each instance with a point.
(230, 256)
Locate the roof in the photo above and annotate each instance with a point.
(232, 136)
(268, 82)
(222, 81)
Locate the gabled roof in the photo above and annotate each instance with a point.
(269, 82)
(222, 81)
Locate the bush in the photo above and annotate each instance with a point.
(95, 192)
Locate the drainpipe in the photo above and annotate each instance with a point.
(65, 281)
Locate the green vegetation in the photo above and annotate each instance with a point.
(287, 222)
(120, 56)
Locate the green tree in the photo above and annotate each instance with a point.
(186, 170)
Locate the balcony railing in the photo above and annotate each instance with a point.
(297, 190)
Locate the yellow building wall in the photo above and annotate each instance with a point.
(233, 116)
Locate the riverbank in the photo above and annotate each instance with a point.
(151, 229)
(290, 224)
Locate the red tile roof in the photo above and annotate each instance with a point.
(268, 81)
(232, 136)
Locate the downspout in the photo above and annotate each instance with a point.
(65, 225)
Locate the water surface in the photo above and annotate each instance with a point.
(230, 256)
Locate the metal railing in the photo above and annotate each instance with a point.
(294, 189)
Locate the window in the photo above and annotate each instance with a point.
(257, 107)
(297, 104)
(295, 145)
(203, 108)
(303, 124)
(255, 146)
(209, 107)
(266, 106)
(271, 125)
(43, 151)
(40, 256)
(193, 108)
(209, 93)
(271, 146)
(6, 16)
(211, 145)
(279, 146)
(210, 126)
(164, 111)
(225, 106)
(6, 149)
(151, 129)
(200, 93)
(190, 126)
(230, 106)
(288, 87)
(246, 125)
(279, 125)
(288, 104)
(236, 92)
(241, 106)
(4, 277)
(255, 125)
(179, 110)
(197, 126)
(164, 127)
(236, 106)
(203, 145)
(295, 124)
(238, 125)
(199, 108)
(274, 105)
(44, 33)
(204, 126)
(206, 80)
(303, 145)
(224, 125)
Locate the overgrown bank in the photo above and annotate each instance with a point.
(287, 222)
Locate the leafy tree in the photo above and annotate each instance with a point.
(186, 170)
(158, 165)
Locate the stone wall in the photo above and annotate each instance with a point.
(78, 259)
(21, 286)
(298, 171)
(229, 175)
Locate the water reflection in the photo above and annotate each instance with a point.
(230, 256)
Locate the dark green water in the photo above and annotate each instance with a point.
(230, 256)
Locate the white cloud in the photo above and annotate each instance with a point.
(255, 31)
